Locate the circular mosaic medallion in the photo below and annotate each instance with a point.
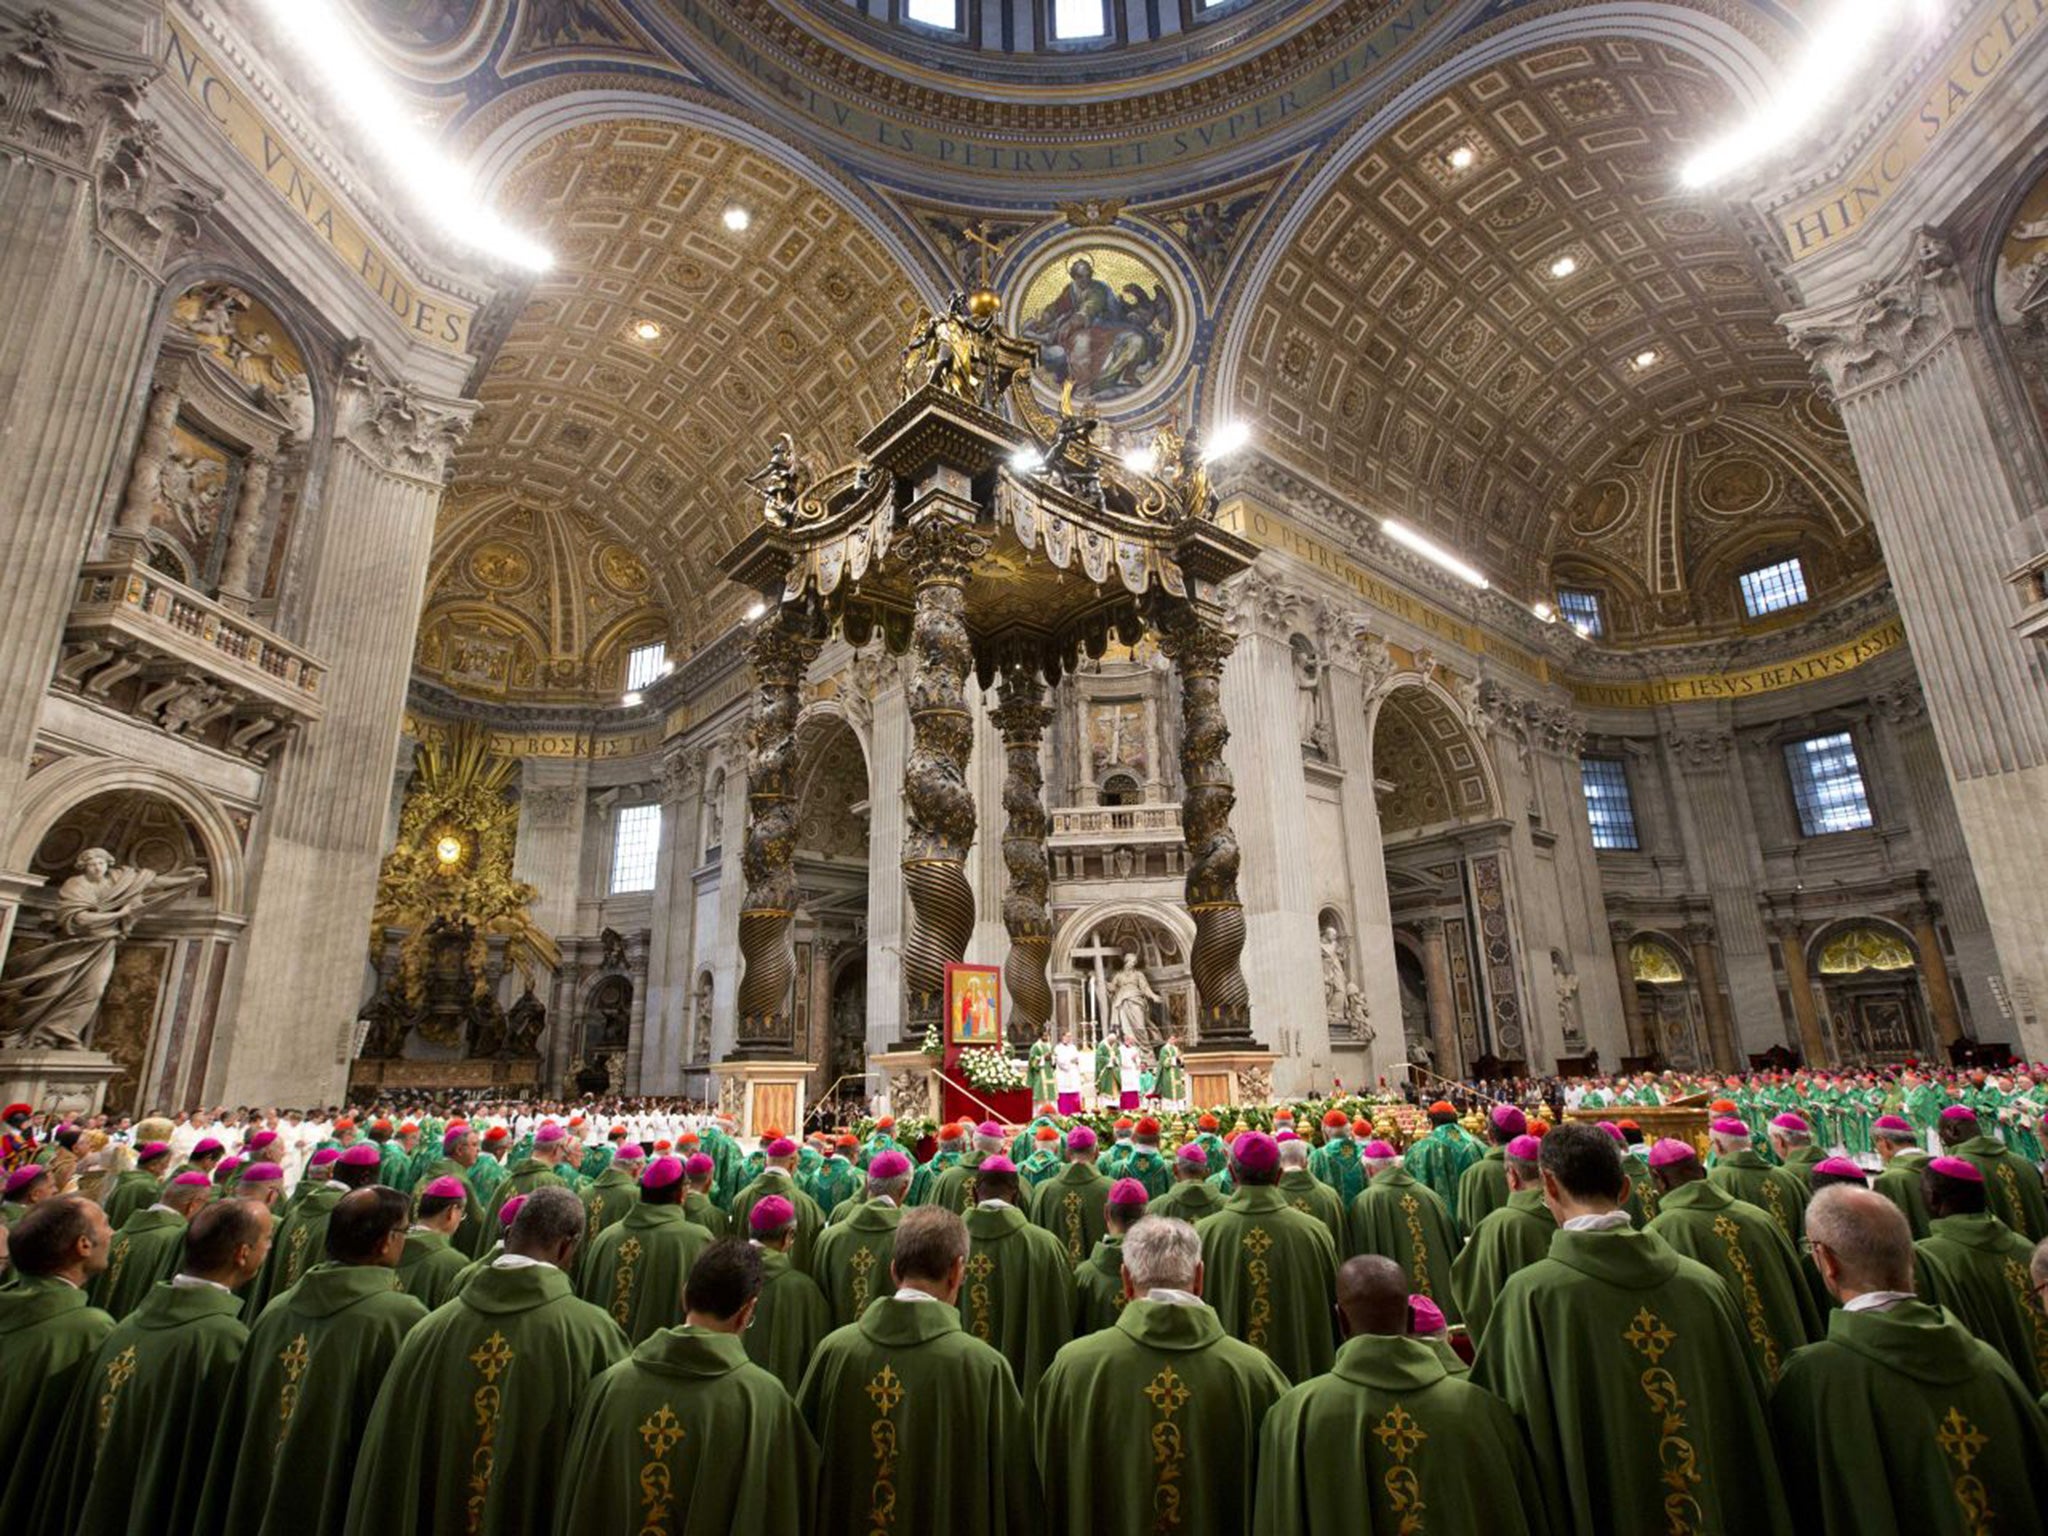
(1110, 318)
(1739, 485)
(622, 570)
(500, 566)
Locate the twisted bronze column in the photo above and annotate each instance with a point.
(1198, 648)
(1022, 718)
(940, 547)
(779, 656)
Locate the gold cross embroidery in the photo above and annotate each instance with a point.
(1649, 1335)
(981, 1266)
(1258, 1240)
(294, 1360)
(661, 1430)
(120, 1368)
(1168, 1392)
(1960, 1440)
(493, 1357)
(1400, 1433)
(886, 1391)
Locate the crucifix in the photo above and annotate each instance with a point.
(977, 234)
(1095, 988)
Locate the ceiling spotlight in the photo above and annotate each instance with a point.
(1461, 158)
(1544, 612)
(1226, 440)
(631, 698)
(1582, 629)
(647, 330)
(737, 218)
(1433, 552)
(758, 610)
(1564, 266)
(1647, 358)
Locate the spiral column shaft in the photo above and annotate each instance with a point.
(1027, 917)
(779, 656)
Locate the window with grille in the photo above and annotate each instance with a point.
(1827, 784)
(1773, 588)
(943, 14)
(636, 838)
(644, 664)
(1608, 806)
(1582, 610)
(1073, 20)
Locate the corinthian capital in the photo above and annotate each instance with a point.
(1700, 751)
(149, 202)
(1888, 326)
(402, 430)
(59, 99)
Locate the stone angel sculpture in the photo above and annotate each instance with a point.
(782, 482)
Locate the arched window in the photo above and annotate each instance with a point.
(1121, 789)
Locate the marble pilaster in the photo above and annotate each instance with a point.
(1351, 697)
(655, 1059)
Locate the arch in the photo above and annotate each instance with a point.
(1672, 951)
(1892, 936)
(1087, 919)
(1415, 717)
(819, 710)
(58, 788)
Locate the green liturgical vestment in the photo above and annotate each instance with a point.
(1390, 1441)
(1190, 1200)
(1801, 1161)
(1439, 1161)
(1099, 1288)
(300, 1243)
(1744, 1247)
(700, 1208)
(810, 1221)
(2012, 1184)
(954, 1189)
(1338, 1165)
(919, 1427)
(428, 1266)
(1401, 1219)
(468, 1432)
(293, 1420)
(1747, 1176)
(1271, 1274)
(1069, 1206)
(606, 1199)
(1306, 1193)
(473, 1210)
(135, 1445)
(1900, 1423)
(1899, 1182)
(1642, 1405)
(48, 1336)
(851, 1264)
(1018, 1297)
(1976, 1266)
(132, 1191)
(146, 1249)
(527, 1175)
(1148, 1165)
(1507, 1240)
(1482, 1189)
(790, 1317)
(635, 1271)
(1153, 1424)
(690, 1438)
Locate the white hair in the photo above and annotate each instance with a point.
(1161, 1252)
(1293, 1154)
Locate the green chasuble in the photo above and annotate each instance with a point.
(1153, 1425)
(927, 1175)
(465, 1239)
(146, 1249)
(1338, 1165)
(1148, 1165)
(1069, 1206)
(790, 1317)
(1039, 1072)
(1747, 1176)
(1312, 1197)
(140, 1430)
(1099, 1288)
(635, 1271)
(1976, 1266)
(1744, 1247)
(1108, 1077)
(48, 1336)
(1505, 1242)
(1392, 1441)
(300, 1243)
(851, 1265)
(1801, 1161)
(131, 1192)
(1642, 1406)
(293, 1420)
(1482, 1189)
(954, 1189)
(836, 1183)
(1019, 1294)
(2012, 1185)
(527, 1175)
(700, 1208)
(1189, 1200)
(810, 1221)
(1902, 1424)
(606, 1199)
(1899, 1182)
(1271, 1274)
(1439, 1161)
(919, 1427)
(428, 1266)
(467, 1433)
(1401, 1219)
(689, 1438)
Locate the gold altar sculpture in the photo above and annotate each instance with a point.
(957, 537)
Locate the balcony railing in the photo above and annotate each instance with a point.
(1157, 823)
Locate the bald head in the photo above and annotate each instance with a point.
(1860, 1241)
(1372, 1296)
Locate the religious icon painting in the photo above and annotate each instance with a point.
(1111, 316)
(974, 1004)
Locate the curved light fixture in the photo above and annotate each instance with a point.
(1433, 552)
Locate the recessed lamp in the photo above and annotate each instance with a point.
(631, 698)
(1647, 358)
(647, 330)
(1461, 158)
(758, 610)
(737, 218)
(1564, 266)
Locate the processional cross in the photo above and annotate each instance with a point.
(978, 235)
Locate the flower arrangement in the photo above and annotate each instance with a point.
(932, 1046)
(991, 1071)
